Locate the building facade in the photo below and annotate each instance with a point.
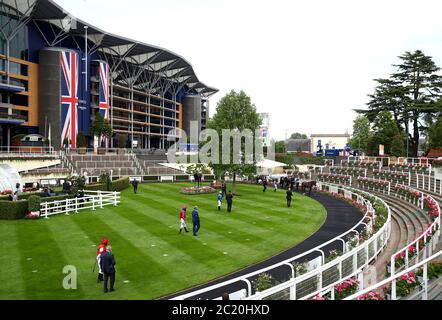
(324, 142)
(58, 72)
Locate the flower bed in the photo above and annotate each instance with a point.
(417, 168)
(334, 178)
(6, 193)
(408, 193)
(196, 190)
(373, 184)
(398, 177)
(431, 207)
(348, 171)
(371, 296)
(404, 285)
(361, 164)
(346, 289)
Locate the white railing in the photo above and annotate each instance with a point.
(348, 264)
(428, 182)
(92, 200)
(27, 151)
(423, 264)
(344, 267)
(433, 229)
(374, 185)
(392, 176)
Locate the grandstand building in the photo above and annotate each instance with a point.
(57, 72)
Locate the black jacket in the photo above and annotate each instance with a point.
(107, 262)
(289, 195)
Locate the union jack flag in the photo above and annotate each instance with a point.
(104, 95)
(69, 97)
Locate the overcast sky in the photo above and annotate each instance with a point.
(307, 63)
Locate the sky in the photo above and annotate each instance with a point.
(307, 63)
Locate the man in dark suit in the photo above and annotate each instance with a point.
(289, 197)
(135, 184)
(195, 221)
(229, 199)
(107, 264)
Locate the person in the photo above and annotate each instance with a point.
(224, 188)
(220, 200)
(226, 296)
(264, 184)
(101, 249)
(135, 184)
(289, 197)
(15, 197)
(229, 199)
(183, 220)
(81, 197)
(195, 221)
(107, 264)
(66, 187)
(275, 185)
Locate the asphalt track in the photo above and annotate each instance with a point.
(341, 216)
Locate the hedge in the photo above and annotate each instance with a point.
(10, 210)
(117, 185)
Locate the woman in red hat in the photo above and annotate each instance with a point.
(101, 249)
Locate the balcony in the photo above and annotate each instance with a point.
(13, 119)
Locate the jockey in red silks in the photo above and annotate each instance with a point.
(101, 249)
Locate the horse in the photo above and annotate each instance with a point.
(198, 178)
(308, 185)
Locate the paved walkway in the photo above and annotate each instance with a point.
(341, 217)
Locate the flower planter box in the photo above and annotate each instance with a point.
(101, 151)
(121, 151)
(82, 151)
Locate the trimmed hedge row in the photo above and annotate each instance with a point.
(10, 210)
(117, 185)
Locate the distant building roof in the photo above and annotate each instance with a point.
(435, 153)
(330, 136)
(298, 145)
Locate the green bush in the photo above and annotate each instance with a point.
(117, 185)
(10, 210)
(120, 184)
(34, 203)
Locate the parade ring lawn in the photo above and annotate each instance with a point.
(153, 260)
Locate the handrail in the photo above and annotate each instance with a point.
(251, 274)
(338, 261)
(394, 277)
(433, 226)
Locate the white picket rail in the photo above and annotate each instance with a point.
(92, 200)
(424, 264)
(433, 228)
(349, 265)
(369, 249)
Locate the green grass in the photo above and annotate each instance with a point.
(149, 252)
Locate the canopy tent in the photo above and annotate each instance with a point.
(9, 178)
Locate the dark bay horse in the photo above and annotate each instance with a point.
(308, 185)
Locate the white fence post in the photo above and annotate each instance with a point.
(101, 199)
(76, 205)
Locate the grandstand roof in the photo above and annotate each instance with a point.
(143, 63)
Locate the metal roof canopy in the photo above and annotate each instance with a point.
(136, 57)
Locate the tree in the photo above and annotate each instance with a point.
(435, 134)
(235, 111)
(361, 134)
(280, 147)
(100, 126)
(388, 134)
(298, 135)
(412, 95)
